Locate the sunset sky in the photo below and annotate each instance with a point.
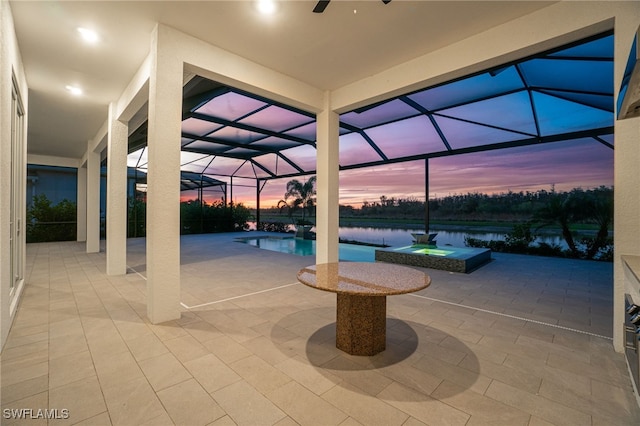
(566, 165)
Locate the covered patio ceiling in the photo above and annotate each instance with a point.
(565, 94)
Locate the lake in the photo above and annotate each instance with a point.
(398, 237)
(402, 237)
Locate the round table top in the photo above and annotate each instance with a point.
(364, 278)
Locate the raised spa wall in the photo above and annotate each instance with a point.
(462, 264)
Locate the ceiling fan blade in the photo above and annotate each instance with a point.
(321, 6)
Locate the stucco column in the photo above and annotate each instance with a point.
(81, 203)
(328, 193)
(626, 220)
(93, 201)
(163, 181)
(116, 195)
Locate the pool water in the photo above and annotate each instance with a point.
(300, 247)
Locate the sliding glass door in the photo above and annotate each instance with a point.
(17, 207)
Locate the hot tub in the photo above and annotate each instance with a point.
(454, 259)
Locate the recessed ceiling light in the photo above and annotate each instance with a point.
(266, 7)
(88, 35)
(74, 90)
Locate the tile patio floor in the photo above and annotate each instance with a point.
(520, 341)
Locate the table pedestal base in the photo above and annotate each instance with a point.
(361, 324)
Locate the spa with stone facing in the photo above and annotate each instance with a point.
(454, 259)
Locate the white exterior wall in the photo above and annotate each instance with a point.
(10, 68)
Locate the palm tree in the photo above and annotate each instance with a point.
(594, 206)
(559, 211)
(299, 196)
(600, 207)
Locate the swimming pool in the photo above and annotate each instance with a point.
(455, 259)
(300, 247)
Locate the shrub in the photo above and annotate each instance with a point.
(519, 239)
(197, 218)
(273, 227)
(597, 248)
(545, 249)
(137, 218)
(50, 223)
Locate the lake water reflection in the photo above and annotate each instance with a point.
(402, 237)
(398, 237)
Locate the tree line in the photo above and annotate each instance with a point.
(507, 206)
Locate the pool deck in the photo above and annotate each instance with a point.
(524, 340)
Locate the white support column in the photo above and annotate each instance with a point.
(116, 194)
(93, 202)
(626, 221)
(327, 166)
(163, 181)
(81, 203)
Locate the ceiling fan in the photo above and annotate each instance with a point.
(322, 5)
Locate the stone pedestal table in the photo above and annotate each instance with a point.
(362, 289)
